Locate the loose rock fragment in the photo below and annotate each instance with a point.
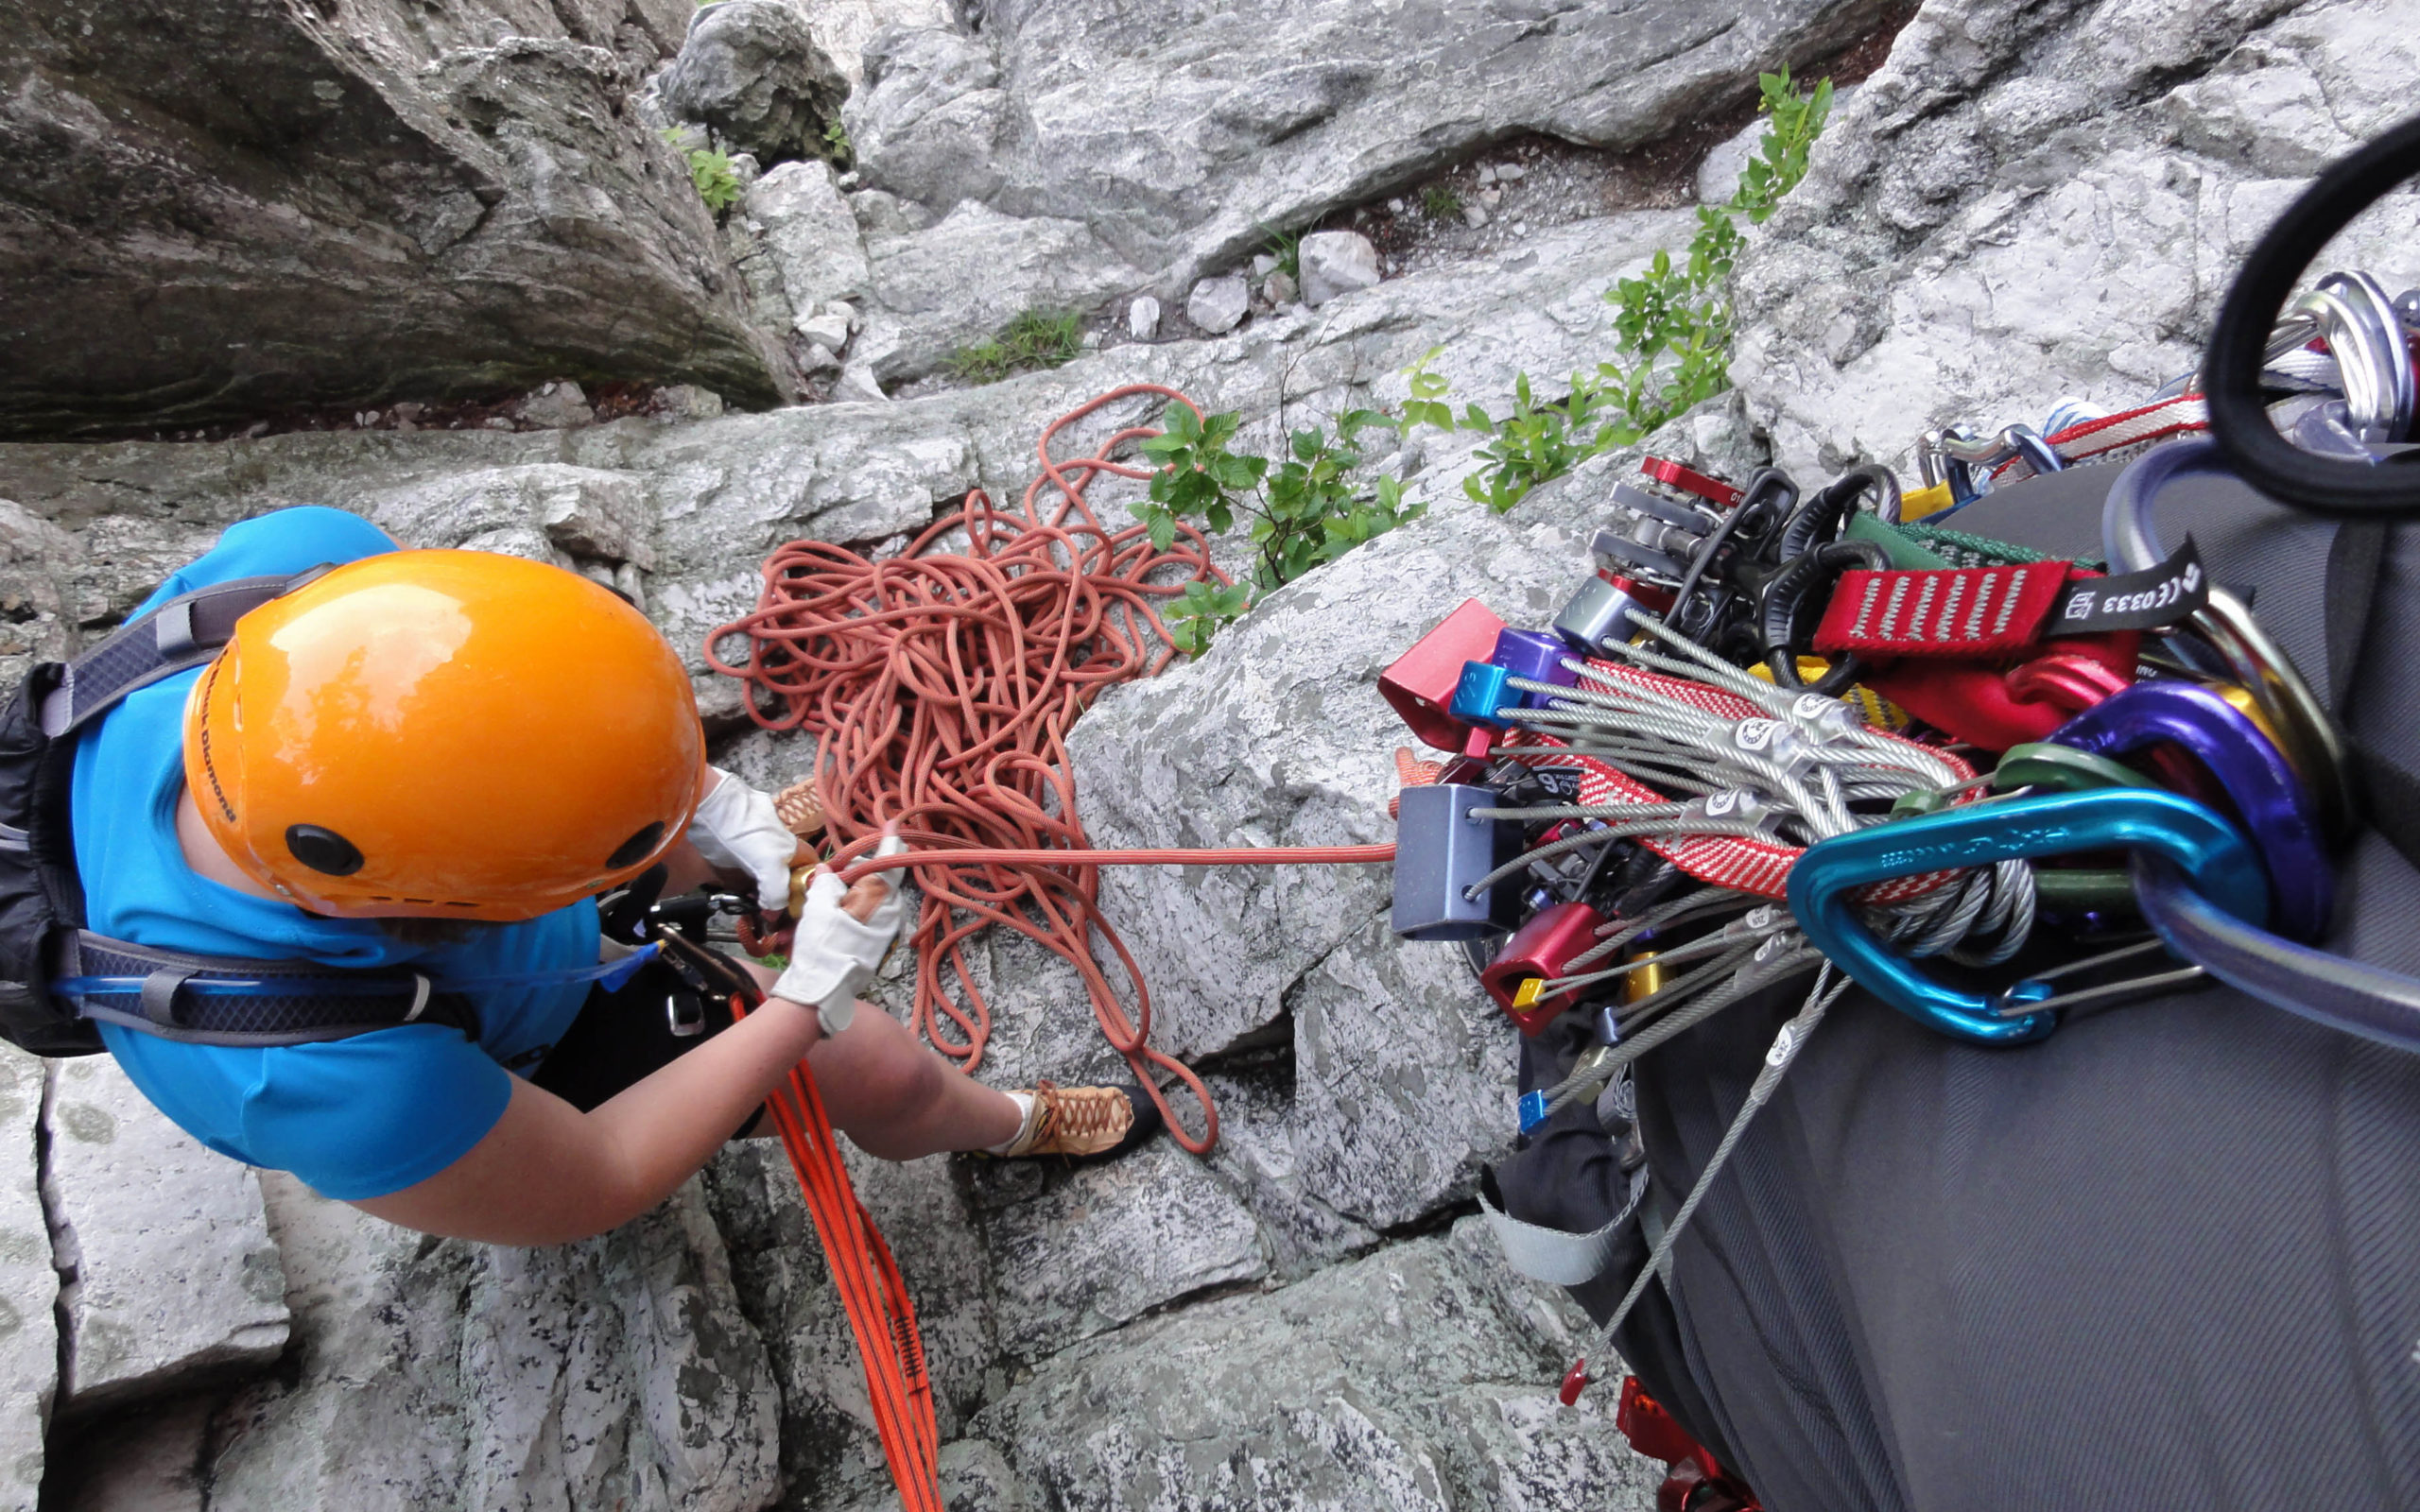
(1218, 304)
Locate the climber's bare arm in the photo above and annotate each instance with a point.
(548, 1174)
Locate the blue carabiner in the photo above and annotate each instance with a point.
(2254, 774)
(2114, 819)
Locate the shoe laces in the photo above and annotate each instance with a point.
(1081, 1114)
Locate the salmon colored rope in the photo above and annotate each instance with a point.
(941, 684)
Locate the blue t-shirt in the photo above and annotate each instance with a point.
(353, 1118)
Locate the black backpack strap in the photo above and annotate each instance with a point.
(183, 632)
(283, 1003)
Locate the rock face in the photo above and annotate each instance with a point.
(1283, 111)
(751, 70)
(2126, 174)
(171, 1278)
(615, 1372)
(28, 1289)
(1334, 263)
(218, 211)
(2025, 201)
(1396, 1382)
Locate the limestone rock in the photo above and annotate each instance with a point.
(1142, 318)
(810, 238)
(617, 1371)
(844, 28)
(751, 69)
(146, 1459)
(1398, 1381)
(2020, 206)
(171, 1276)
(825, 328)
(931, 122)
(1079, 1252)
(556, 406)
(1334, 263)
(28, 1289)
(937, 290)
(1278, 288)
(549, 510)
(829, 1448)
(222, 211)
(1177, 133)
(1218, 304)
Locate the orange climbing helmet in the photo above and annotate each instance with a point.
(444, 735)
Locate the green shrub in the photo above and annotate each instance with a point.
(1307, 510)
(1441, 202)
(1672, 329)
(1037, 338)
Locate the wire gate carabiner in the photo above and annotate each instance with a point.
(1784, 729)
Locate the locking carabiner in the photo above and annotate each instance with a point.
(2131, 537)
(2254, 774)
(1823, 881)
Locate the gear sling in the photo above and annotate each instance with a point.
(59, 981)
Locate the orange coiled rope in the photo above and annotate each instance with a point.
(942, 684)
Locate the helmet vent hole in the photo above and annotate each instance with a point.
(322, 850)
(637, 848)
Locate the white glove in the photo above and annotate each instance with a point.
(834, 956)
(736, 826)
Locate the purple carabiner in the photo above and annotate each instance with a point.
(2255, 776)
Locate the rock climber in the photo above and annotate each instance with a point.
(442, 758)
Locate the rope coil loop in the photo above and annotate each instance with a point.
(941, 684)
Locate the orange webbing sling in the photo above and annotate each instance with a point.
(879, 1311)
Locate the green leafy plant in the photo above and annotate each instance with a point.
(837, 146)
(1441, 202)
(1037, 338)
(1672, 329)
(1309, 508)
(717, 184)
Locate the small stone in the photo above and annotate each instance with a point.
(1486, 176)
(1520, 228)
(408, 411)
(556, 406)
(1336, 262)
(1394, 207)
(1474, 215)
(1489, 196)
(256, 430)
(1278, 289)
(1090, 341)
(825, 329)
(848, 180)
(844, 310)
(1142, 318)
(1218, 304)
(686, 401)
(857, 385)
(1510, 173)
(497, 423)
(1263, 266)
(818, 359)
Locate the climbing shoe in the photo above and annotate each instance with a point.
(1081, 1123)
